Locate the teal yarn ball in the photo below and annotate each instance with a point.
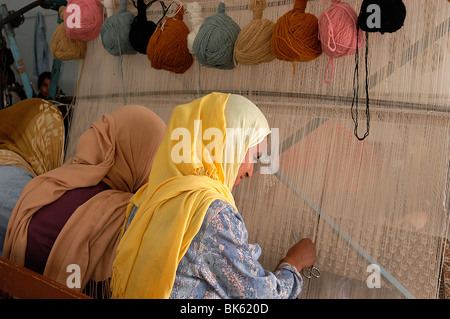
(115, 32)
(214, 44)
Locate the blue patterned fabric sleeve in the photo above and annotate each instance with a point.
(220, 263)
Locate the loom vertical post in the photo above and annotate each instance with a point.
(56, 70)
(2, 101)
(16, 53)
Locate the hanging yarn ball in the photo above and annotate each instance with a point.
(295, 35)
(64, 48)
(214, 44)
(253, 43)
(116, 29)
(339, 33)
(141, 29)
(382, 15)
(83, 19)
(167, 48)
(194, 11)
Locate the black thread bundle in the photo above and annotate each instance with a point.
(391, 15)
(141, 29)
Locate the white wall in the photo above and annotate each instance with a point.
(24, 35)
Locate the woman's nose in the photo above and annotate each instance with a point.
(249, 173)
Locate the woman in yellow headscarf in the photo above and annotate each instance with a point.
(184, 237)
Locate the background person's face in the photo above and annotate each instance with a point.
(45, 87)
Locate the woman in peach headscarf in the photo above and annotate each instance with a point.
(73, 214)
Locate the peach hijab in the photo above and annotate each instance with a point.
(118, 149)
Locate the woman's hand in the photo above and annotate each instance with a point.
(301, 255)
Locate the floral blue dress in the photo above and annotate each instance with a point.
(220, 263)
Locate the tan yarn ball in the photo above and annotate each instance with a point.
(253, 43)
(64, 48)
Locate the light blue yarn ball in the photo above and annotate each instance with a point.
(115, 34)
(214, 44)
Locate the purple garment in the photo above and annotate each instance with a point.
(47, 223)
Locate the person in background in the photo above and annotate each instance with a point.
(44, 85)
(184, 237)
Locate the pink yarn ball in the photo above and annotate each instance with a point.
(83, 19)
(338, 31)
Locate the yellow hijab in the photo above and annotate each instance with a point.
(188, 174)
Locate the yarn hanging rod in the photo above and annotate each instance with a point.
(344, 101)
(211, 7)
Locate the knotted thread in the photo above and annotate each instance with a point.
(194, 10)
(338, 27)
(391, 15)
(84, 23)
(141, 29)
(354, 107)
(167, 48)
(64, 48)
(253, 43)
(116, 29)
(214, 44)
(295, 35)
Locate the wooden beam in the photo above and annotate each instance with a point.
(21, 283)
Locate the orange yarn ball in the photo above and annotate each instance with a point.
(167, 48)
(295, 35)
